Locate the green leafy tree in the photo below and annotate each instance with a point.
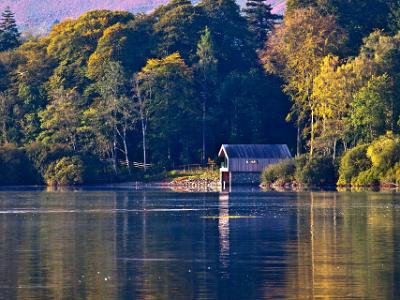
(130, 44)
(380, 55)
(72, 42)
(371, 113)
(177, 28)
(31, 86)
(111, 114)
(6, 116)
(61, 120)
(166, 84)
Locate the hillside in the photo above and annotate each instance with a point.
(41, 14)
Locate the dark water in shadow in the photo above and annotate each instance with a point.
(164, 245)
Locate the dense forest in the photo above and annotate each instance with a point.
(168, 88)
(340, 64)
(111, 88)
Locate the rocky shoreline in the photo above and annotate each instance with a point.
(192, 183)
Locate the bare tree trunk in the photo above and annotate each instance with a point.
(312, 135)
(203, 152)
(334, 150)
(144, 127)
(128, 164)
(298, 139)
(115, 151)
(4, 132)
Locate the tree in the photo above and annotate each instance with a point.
(32, 86)
(9, 34)
(113, 113)
(72, 42)
(130, 44)
(165, 89)
(238, 115)
(333, 93)
(177, 28)
(6, 111)
(233, 41)
(394, 16)
(371, 113)
(206, 75)
(143, 97)
(361, 17)
(299, 4)
(261, 20)
(380, 55)
(61, 119)
(358, 17)
(295, 52)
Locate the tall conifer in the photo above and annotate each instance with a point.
(9, 34)
(206, 71)
(261, 20)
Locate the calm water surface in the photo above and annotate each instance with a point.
(122, 244)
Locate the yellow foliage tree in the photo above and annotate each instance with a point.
(295, 52)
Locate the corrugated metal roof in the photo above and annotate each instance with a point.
(259, 151)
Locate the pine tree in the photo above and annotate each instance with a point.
(9, 34)
(261, 20)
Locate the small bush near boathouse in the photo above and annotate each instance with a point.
(318, 171)
(283, 171)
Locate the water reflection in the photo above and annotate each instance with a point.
(223, 227)
(346, 247)
(155, 245)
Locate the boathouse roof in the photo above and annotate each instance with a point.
(255, 151)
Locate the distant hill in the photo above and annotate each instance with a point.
(39, 15)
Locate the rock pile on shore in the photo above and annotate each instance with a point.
(197, 183)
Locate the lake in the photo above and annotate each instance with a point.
(155, 244)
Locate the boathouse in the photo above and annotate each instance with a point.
(243, 164)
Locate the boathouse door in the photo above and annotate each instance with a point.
(225, 180)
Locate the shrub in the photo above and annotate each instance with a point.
(75, 170)
(16, 168)
(353, 162)
(392, 176)
(284, 171)
(317, 172)
(366, 178)
(43, 155)
(320, 171)
(384, 154)
(65, 171)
